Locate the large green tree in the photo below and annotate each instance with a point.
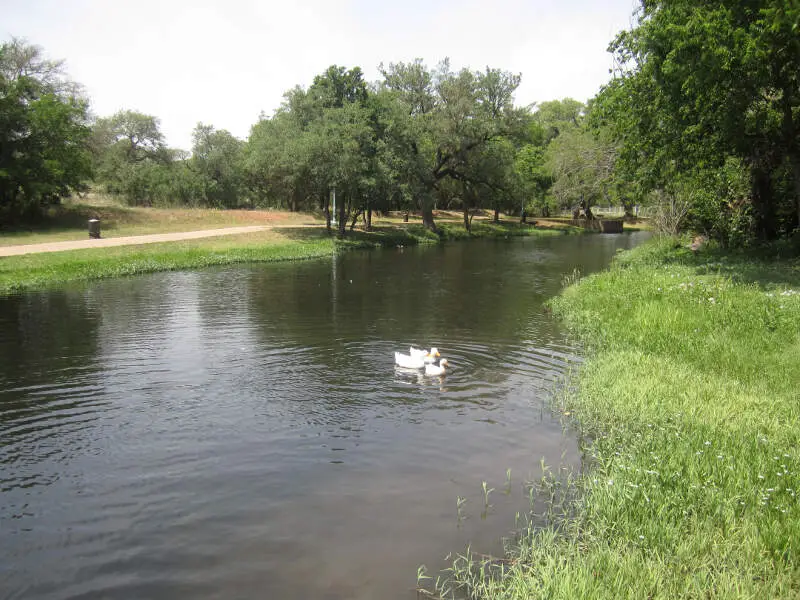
(217, 162)
(43, 131)
(446, 120)
(320, 139)
(581, 163)
(700, 83)
(132, 159)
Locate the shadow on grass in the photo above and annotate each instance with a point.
(768, 266)
(74, 217)
(303, 234)
(396, 236)
(382, 236)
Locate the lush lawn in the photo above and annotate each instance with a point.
(691, 395)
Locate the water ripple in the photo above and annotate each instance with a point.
(245, 432)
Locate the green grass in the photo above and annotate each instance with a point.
(409, 235)
(20, 273)
(691, 395)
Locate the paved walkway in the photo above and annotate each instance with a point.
(131, 240)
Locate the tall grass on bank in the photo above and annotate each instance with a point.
(691, 395)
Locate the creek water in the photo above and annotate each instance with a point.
(242, 432)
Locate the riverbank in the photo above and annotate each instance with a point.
(690, 397)
(20, 273)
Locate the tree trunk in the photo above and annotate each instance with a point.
(368, 222)
(790, 139)
(467, 224)
(354, 220)
(763, 207)
(342, 217)
(496, 215)
(587, 210)
(794, 159)
(628, 206)
(294, 201)
(427, 218)
(326, 208)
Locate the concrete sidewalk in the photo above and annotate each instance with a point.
(130, 240)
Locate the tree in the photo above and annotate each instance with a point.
(700, 83)
(217, 160)
(320, 138)
(556, 116)
(43, 131)
(277, 162)
(447, 119)
(132, 159)
(581, 164)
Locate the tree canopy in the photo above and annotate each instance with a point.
(702, 111)
(43, 131)
(705, 87)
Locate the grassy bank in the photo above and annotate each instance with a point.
(691, 395)
(20, 273)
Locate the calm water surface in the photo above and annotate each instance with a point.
(243, 432)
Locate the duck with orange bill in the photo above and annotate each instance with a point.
(429, 356)
(411, 361)
(434, 369)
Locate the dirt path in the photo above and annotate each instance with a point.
(133, 240)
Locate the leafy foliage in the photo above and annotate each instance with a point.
(704, 88)
(43, 132)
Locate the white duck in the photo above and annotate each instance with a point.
(428, 357)
(433, 369)
(409, 361)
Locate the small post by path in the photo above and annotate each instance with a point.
(94, 229)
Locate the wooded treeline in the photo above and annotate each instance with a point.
(701, 118)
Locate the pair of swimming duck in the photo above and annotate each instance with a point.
(422, 359)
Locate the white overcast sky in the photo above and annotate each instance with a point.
(223, 62)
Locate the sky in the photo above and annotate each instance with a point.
(223, 63)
